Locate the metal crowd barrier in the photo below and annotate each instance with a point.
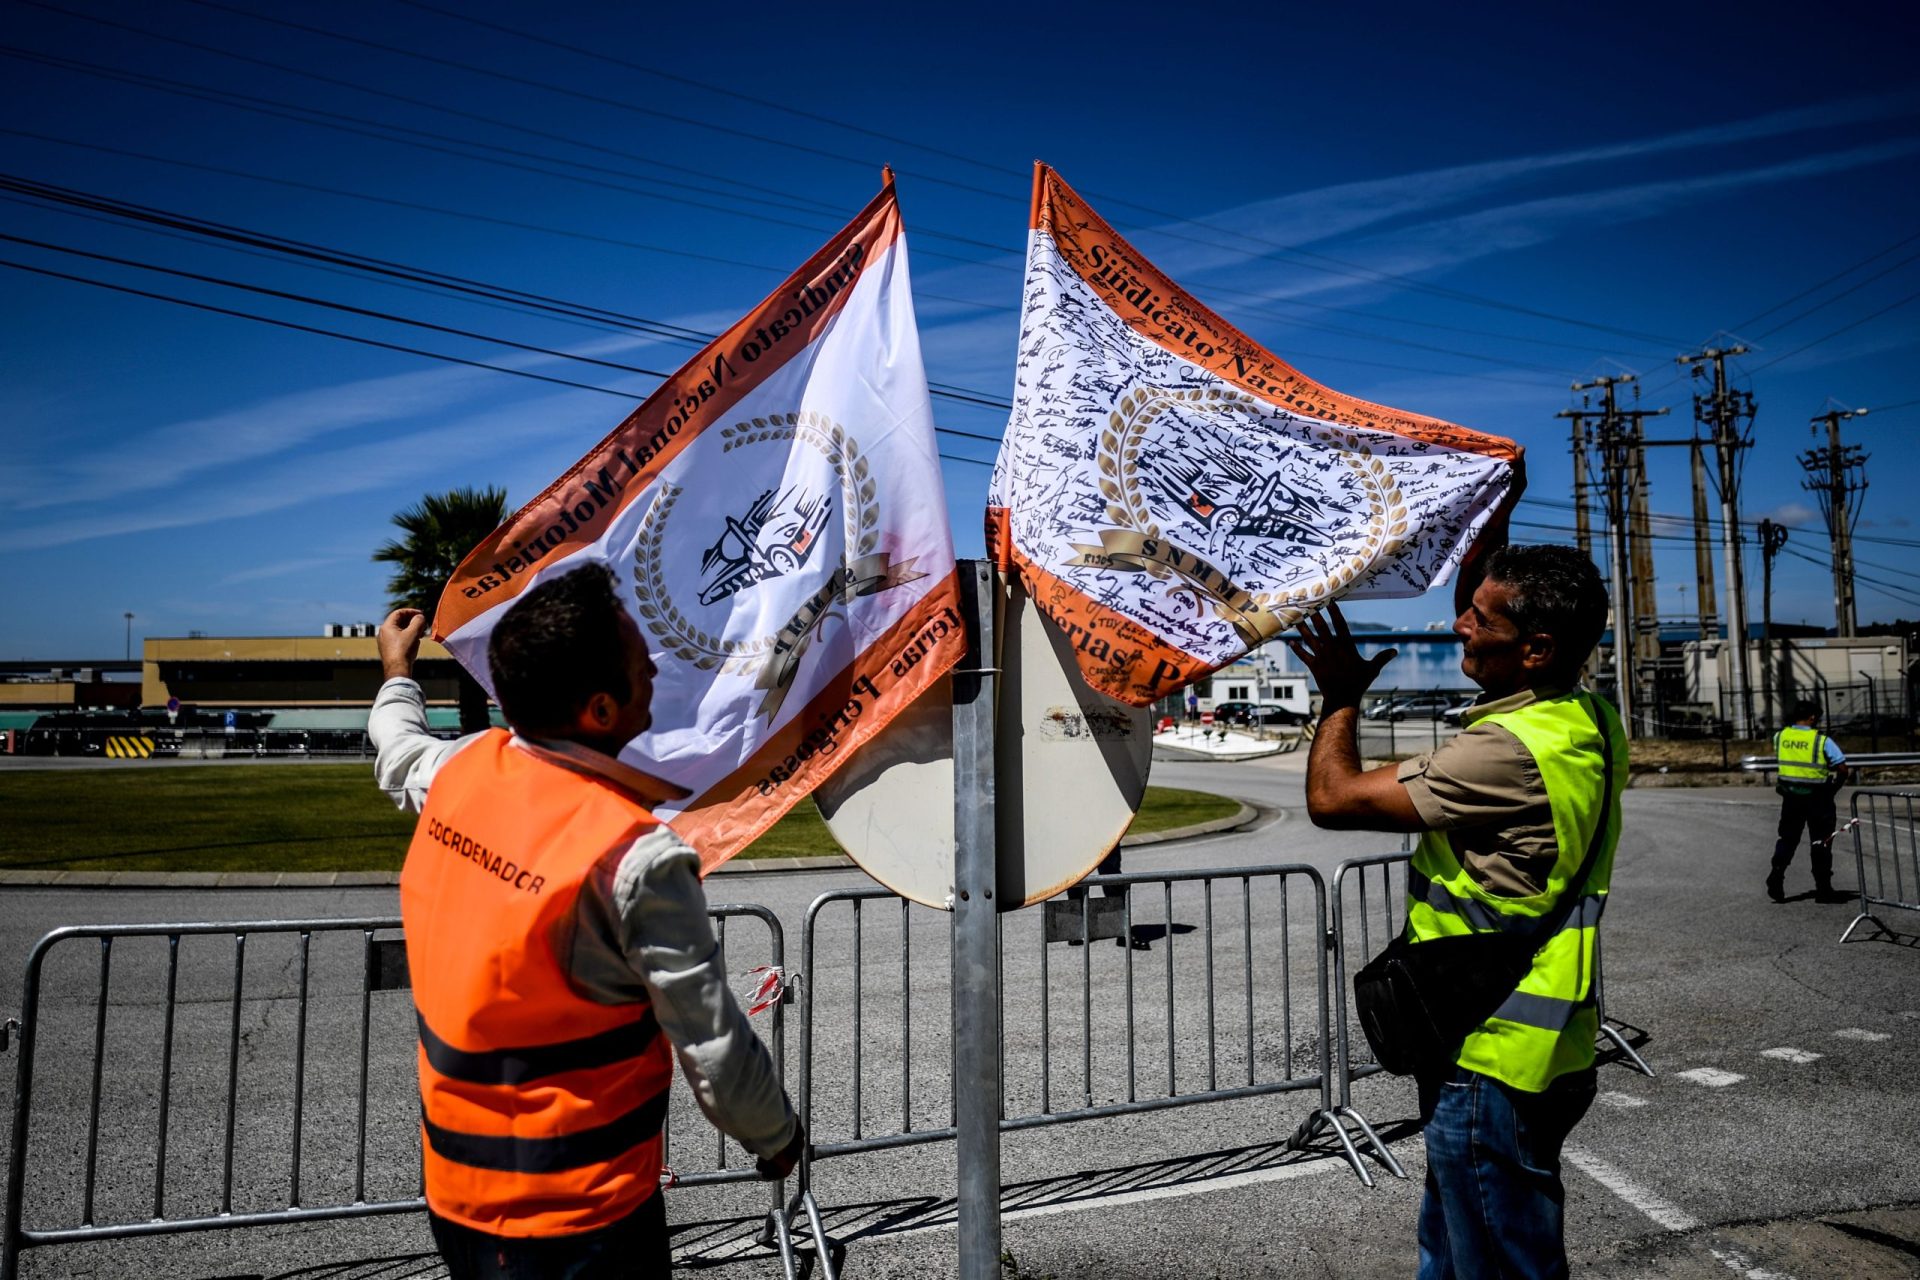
(1886, 853)
(1220, 989)
(160, 1032)
(1368, 908)
(1216, 991)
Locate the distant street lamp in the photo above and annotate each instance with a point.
(129, 618)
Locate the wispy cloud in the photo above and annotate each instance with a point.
(1518, 226)
(973, 348)
(1792, 514)
(279, 569)
(525, 444)
(174, 454)
(1326, 213)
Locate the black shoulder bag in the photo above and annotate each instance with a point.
(1418, 1002)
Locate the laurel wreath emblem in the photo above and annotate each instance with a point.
(1125, 435)
(860, 517)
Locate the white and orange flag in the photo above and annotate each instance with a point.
(776, 517)
(1173, 495)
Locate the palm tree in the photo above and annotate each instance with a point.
(440, 529)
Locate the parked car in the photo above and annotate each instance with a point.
(1381, 709)
(1452, 714)
(1255, 713)
(1231, 712)
(1424, 707)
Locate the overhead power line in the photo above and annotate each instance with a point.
(360, 339)
(1812, 289)
(1845, 328)
(786, 108)
(1899, 590)
(386, 269)
(1307, 258)
(313, 329)
(518, 298)
(1270, 248)
(521, 160)
(346, 308)
(581, 95)
(1847, 292)
(515, 158)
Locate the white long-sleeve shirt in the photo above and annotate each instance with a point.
(642, 927)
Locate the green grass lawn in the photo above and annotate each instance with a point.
(318, 817)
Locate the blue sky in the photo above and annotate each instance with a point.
(1449, 214)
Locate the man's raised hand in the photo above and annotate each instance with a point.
(1325, 646)
(400, 642)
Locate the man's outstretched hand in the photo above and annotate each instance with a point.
(400, 642)
(1327, 648)
(777, 1166)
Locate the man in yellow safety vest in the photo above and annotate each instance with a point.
(1812, 768)
(1508, 810)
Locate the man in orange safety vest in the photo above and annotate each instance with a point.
(561, 953)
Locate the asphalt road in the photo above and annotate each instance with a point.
(1770, 1143)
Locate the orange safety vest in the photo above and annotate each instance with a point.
(541, 1110)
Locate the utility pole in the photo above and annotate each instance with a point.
(1721, 413)
(1772, 538)
(1836, 473)
(129, 618)
(1646, 603)
(1703, 545)
(1617, 442)
(1582, 526)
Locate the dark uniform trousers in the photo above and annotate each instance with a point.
(634, 1248)
(1813, 811)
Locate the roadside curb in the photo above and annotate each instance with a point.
(383, 879)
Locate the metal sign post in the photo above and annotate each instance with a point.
(976, 936)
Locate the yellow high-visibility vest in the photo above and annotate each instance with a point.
(1802, 754)
(1546, 1028)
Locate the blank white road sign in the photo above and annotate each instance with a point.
(1072, 769)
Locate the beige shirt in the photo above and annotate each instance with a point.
(1483, 788)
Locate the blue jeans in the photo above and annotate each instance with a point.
(1494, 1206)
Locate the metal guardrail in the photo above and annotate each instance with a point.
(1886, 837)
(1368, 906)
(1213, 967)
(159, 1054)
(1379, 913)
(1862, 760)
(240, 1019)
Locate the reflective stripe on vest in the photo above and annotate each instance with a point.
(541, 1110)
(1546, 1027)
(1802, 754)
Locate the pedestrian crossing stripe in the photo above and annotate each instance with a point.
(129, 748)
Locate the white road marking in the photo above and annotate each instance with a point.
(1624, 1101)
(1663, 1212)
(1711, 1077)
(1799, 1057)
(1740, 1264)
(1861, 1033)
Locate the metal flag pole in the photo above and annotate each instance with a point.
(976, 935)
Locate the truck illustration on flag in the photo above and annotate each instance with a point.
(772, 539)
